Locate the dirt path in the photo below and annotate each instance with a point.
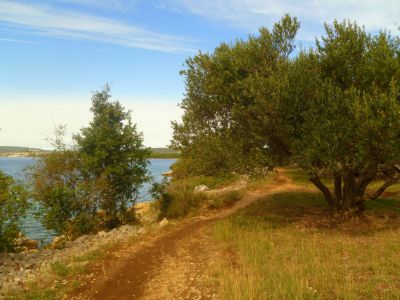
(172, 265)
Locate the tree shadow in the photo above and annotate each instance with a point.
(308, 210)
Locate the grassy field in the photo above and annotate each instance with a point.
(285, 247)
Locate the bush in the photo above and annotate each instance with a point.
(13, 205)
(224, 200)
(177, 198)
(64, 198)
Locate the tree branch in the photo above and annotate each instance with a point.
(380, 191)
(366, 179)
(324, 189)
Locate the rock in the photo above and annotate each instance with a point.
(101, 233)
(126, 228)
(58, 242)
(167, 174)
(24, 243)
(164, 222)
(201, 188)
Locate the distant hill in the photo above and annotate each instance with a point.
(164, 153)
(15, 149)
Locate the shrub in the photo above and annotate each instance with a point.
(62, 194)
(224, 200)
(177, 198)
(13, 205)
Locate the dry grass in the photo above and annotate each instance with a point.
(285, 247)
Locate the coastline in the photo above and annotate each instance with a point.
(36, 154)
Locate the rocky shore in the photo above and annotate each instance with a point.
(18, 270)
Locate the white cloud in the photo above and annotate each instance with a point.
(251, 14)
(120, 5)
(66, 24)
(28, 122)
(17, 41)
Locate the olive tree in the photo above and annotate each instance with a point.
(229, 107)
(343, 111)
(334, 110)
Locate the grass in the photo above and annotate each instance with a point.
(181, 199)
(283, 247)
(225, 200)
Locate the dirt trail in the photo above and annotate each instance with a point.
(172, 265)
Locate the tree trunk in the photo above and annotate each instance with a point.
(348, 197)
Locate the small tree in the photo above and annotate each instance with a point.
(13, 205)
(113, 157)
(102, 171)
(66, 200)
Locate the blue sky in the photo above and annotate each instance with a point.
(55, 52)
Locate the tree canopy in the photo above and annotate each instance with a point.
(332, 109)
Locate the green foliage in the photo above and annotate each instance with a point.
(60, 269)
(334, 110)
(177, 198)
(225, 200)
(92, 184)
(63, 195)
(113, 156)
(13, 205)
(229, 103)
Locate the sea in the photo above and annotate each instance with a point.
(32, 228)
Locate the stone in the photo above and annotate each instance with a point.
(201, 188)
(25, 243)
(164, 222)
(58, 242)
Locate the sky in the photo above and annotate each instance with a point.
(55, 53)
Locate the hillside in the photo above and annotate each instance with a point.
(164, 153)
(16, 149)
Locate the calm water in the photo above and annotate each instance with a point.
(31, 227)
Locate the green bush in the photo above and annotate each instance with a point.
(64, 198)
(13, 205)
(225, 200)
(177, 198)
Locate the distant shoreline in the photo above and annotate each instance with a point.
(36, 154)
(17, 151)
(21, 154)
